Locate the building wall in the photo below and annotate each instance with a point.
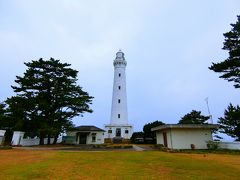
(159, 136)
(2, 133)
(229, 145)
(99, 137)
(119, 108)
(17, 138)
(183, 138)
(123, 134)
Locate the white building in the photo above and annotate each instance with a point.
(184, 136)
(2, 133)
(119, 127)
(85, 135)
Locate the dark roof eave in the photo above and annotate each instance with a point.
(186, 126)
(87, 129)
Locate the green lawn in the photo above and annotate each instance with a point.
(33, 164)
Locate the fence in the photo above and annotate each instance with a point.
(34, 142)
(229, 145)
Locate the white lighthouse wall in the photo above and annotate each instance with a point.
(113, 133)
(119, 94)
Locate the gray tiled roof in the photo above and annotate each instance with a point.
(88, 128)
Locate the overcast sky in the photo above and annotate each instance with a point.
(168, 44)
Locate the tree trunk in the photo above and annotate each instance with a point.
(49, 139)
(41, 139)
(55, 138)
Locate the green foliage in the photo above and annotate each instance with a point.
(47, 98)
(137, 137)
(212, 145)
(194, 117)
(5, 147)
(147, 127)
(147, 130)
(230, 123)
(230, 68)
(3, 121)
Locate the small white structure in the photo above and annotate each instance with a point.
(184, 136)
(85, 135)
(119, 126)
(17, 138)
(2, 133)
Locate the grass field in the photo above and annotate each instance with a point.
(34, 164)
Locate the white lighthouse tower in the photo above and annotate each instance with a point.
(119, 127)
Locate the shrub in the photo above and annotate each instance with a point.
(212, 145)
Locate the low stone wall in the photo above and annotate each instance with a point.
(34, 142)
(30, 142)
(229, 145)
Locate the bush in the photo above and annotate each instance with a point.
(212, 145)
(5, 147)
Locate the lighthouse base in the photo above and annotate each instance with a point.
(117, 132)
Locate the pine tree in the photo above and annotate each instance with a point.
(230, 68)
(147, 130)
(230, 123)
(194, 117)
(47, 99)
(3, 122)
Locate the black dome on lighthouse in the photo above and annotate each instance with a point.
(120, 55)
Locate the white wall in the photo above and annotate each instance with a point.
(123, 134)
(119, 108)
(229, 145)
(99, 138)
(183, 138)
(36, 141)
(2, 133)
(17, 138)
(159, 136)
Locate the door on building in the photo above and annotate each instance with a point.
(118, 132)
(82, 138)
(165, 139)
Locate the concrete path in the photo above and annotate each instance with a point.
(137, 148)
(76, 148)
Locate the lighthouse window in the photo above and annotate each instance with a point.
(119, 100)
(119, 87)
(119, 75)
(118, 115)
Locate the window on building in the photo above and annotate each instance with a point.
(118, 115)
(126, 131)
(109, 131)
(119, 87)
(119, 100)
(94, 137)
(119, 75)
